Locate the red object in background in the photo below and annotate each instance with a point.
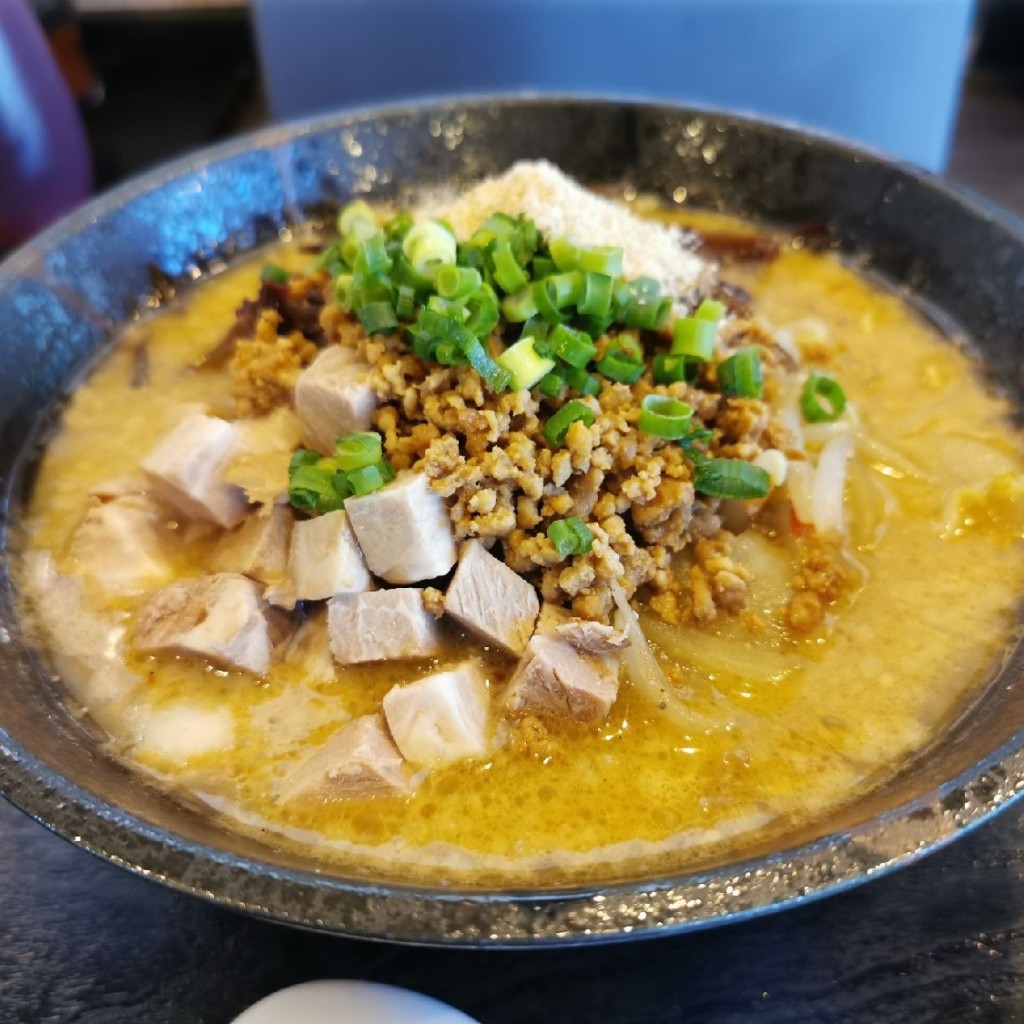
(45, 168)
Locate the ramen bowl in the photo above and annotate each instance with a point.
(64, 296)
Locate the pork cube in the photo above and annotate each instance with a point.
(334, 397)
(404, 530)
(178, 732)
(554, 679)
(592, 637)
(491, 600)
(219, 618)
(259, 547)
(123, 544)
(187, 469)
(381, 625)
(360, 759)
(325, 559)
(440, 718)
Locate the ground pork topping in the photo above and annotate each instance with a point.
(641, 495)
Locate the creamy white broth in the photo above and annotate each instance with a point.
(784, 729)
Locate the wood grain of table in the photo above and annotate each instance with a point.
(83, 942)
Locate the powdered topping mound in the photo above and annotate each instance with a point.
(560, 206)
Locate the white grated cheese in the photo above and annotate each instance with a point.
(560, 206)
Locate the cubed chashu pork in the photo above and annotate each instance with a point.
(121, 543)
(187, 470)
(360, 759)
(440, 718)
(381, 625)
(220, 618)
(404, 530)
(259, 547)
(559, 677)
(325, 558)
(491, 600)
(334, 397)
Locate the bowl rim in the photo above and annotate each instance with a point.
(421, 914)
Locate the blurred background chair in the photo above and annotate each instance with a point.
(885, 72)
(156, 78)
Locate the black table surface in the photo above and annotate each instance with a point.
(943, 940)
(82, 942)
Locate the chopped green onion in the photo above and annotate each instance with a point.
(498, 377)
(544, 302)
(303, 457)
(595, 326)
(596, 299)
(600, 259)
(822, 399)
(368, 479)
(448, 307)
(581, 381)
(440, 325)
(275, 274)
(402, 273)
(367, 288)
(501, 225)
(711, 310)
(358, 450)
(350, 250)
(563, 253)
(645, 286)
(372, 257)
(507, 272)
(398, 227)
(648, 312)
(565, 289)
(457, 282)
(542, 267)
(551, 385)
(357, 221)
(571, 536)
(623, 361)
(574, 347)
(525, 365)
(343, 287)
(377, 317)
(428, 246)
(317, 487)
(665, 417)
(622, 296)
(740, 374)
(537, 328)
(558, 425)
(667, 368)
(520, 307)
(731, 478)
(693, 337)
(482, 310)
(448, 353)
(405, 300)
(696, 436)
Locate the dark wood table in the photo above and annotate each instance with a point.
(82, 942)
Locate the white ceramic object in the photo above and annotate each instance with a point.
(350, 1002)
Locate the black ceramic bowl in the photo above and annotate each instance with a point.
(63, 296)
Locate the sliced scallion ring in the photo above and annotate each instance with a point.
(662, 416)
(822, 399)
(740, 374)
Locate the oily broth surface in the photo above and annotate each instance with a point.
(838, 714)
